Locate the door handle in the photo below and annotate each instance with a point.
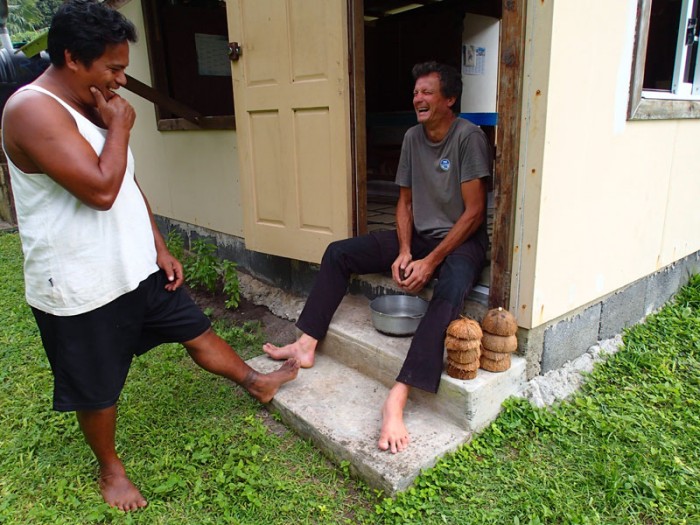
(234, 51)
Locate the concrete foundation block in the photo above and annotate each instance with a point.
(622, 310)
(570, 338)
(661, 286)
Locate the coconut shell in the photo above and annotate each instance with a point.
(499, 321)
(464, 328)
(495, 366)
(460, 374)
(472, 365)
(463, 345)
(499, 343)
(493, 356)
(464, 356)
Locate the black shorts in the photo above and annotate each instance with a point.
(90, 354)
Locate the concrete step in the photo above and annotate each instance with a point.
(353, 341)
(339, 409)
(337, 403)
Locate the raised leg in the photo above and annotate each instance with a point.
(366, 254)
(216, 356)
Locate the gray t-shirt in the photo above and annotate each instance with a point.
(435, 170)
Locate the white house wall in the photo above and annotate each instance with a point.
(191, 176)
(601, 201)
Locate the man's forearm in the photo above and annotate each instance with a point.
(464, 228)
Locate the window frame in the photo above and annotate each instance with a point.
(156, 59)
(641, 105)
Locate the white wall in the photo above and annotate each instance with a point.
(601, 201)
(192, 176)
(481, 85)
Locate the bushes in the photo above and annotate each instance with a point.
(204, 270)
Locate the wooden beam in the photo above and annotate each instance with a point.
(160, 99)
(508, 145)
(358, 112)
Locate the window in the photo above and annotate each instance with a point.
(666, 68)
(187, 47)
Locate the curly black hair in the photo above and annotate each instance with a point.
(85, 28)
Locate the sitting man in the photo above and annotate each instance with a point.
(102, 285)
(440, 231)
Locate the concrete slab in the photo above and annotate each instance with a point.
(337, 403)
(338, 408)
(475, 403)
(353, 341)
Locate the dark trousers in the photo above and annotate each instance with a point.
(375, 253)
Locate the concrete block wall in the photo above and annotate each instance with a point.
(549, 346)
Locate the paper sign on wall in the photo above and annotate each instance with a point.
(473, 59)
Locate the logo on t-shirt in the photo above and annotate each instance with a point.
(445, 164)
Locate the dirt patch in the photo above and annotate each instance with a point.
(277, 331)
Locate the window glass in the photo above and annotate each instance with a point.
(666, 70)
(188, 44)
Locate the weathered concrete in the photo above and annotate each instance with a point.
(353, 341)
(559, 384)
(337, 402)
(531, 346)
(661, 286)
(551, 345)
(339, 409)
(622, 310)
(568, 340)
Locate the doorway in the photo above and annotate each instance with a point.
(395, 36)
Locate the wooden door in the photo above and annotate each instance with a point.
(291, 95)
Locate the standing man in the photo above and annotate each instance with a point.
(99, 279)
(440, 231)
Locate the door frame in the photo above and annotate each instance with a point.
(509, 108)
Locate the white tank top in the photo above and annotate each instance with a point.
(76, 258)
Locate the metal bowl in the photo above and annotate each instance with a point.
(397, 314)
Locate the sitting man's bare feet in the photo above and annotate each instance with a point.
(394, 435)
(303, 349)
(263, 387)
(118, 490)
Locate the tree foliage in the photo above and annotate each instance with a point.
(27, 18)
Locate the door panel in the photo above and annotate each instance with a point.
(291, 94)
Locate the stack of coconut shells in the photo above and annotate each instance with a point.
(498, 340)
(463, 344)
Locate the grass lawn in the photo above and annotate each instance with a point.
(622, 451)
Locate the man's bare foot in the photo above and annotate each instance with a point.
(394, 435)
(303, 350)
(118, 490)
(263, 387)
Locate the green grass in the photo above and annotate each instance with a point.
(201, 450)
(622, 451)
